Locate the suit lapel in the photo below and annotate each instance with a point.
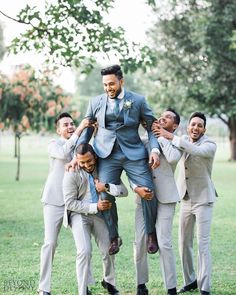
(126, 111)
(196, 143)
(103, 105)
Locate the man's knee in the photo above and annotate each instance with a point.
(84, 254)
(50, 244)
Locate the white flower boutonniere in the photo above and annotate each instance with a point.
(128, 104)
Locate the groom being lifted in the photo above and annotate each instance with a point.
(118, 114)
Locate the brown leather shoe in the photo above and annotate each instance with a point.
(115, 245)
(152, 245)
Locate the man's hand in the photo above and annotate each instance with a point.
(158, 130)
(144, 192)
(85, 123)
(100, 186)
(155, 126)
(154, 160)
(71, 166)
(103, 205)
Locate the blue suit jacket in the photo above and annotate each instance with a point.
(135, 110)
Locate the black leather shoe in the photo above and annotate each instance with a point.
(188, 288)
(44, 293)
(205, 292)
(142, 290)
(115, 246)
(152, 245)
(171, 291)
(110, 288)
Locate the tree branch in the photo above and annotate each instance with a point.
(14, 19)
(224, 120)
(25, 23)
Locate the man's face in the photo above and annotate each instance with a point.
(196, 128)
(167, 121)
(86, 162)
(65, 127)
(112, 85)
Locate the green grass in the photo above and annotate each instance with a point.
(21, 230)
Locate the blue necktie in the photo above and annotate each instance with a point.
(116, 109)
(93, 192)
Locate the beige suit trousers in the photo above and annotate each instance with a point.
(82, 227)
(164, 223)
(53, 218)
(201, 215)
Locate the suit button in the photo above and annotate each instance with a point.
(186, 178)
(185, 168)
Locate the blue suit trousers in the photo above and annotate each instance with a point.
(109, 170)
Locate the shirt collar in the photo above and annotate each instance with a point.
(122, 94)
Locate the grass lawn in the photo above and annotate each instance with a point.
(21, 230)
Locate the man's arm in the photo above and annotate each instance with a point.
(148, 117)
(71, 191)
(171, 152)
(206, 149)
(88, 132)
(62, 151)
(116, 190)
(58, 151)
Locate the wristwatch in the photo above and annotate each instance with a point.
(107, 187)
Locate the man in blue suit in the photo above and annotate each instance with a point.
(118, 114)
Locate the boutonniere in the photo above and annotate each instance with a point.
(128, 104)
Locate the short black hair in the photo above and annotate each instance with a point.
(115, 70)
(199, 115)
(177, 116)
(62, 115)
(84, 148)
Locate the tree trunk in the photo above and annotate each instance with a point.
(232, 137)
(18, 157)
(15, 146)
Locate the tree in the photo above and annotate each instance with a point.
(72, 33)
(196, 62)
(2, 47)
(30, 101)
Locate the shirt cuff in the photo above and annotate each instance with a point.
(133, 185)
(155, 150)
(93, 208)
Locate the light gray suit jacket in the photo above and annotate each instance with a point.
(196, 168)
(164, 180)
(135, 110)
(60, 153)
(77, 194)
(163, 176)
